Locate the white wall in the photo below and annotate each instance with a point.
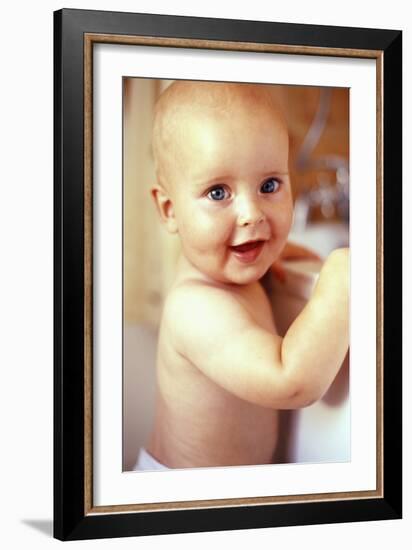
(26, 273)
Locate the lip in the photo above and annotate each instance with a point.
(249, 251)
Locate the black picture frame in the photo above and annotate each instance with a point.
(74, 515)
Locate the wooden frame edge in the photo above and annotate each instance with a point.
(379, 273)
(88, 276)
(227, 45)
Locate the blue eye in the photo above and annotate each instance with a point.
(217, 194)
(270, 186)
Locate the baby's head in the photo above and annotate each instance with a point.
(221, 157)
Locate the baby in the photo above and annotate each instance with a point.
(223, 372)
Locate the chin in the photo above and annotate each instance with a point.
(253, 272)
(248, 275)
(235, 273)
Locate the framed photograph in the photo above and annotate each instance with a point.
(150, 439)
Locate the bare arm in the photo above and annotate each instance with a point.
(316, 343)
(215, 332)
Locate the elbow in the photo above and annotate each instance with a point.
(306, 399)
(308, 395)
(290, 391)
(301, 395)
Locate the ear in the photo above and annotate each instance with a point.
(164, 206)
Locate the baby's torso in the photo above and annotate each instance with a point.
(200, 424)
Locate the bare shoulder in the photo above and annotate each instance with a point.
(188, 299)
(194, 309)
(218, 332)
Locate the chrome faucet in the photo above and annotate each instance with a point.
(331, 199)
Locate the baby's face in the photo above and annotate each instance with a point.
(231, 194)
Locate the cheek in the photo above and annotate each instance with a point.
(282, 219)
(287, 220)
(207, 230)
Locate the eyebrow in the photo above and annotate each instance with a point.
(223, 177)
(213, 181)
(276, 173)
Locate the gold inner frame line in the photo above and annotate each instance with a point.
(89, 40)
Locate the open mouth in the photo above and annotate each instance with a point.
(248, 252)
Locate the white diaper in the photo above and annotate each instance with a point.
(145, 461)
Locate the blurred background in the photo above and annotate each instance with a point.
(318, 121)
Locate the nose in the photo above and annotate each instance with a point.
(249, 212)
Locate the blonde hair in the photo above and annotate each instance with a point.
(184, 98)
